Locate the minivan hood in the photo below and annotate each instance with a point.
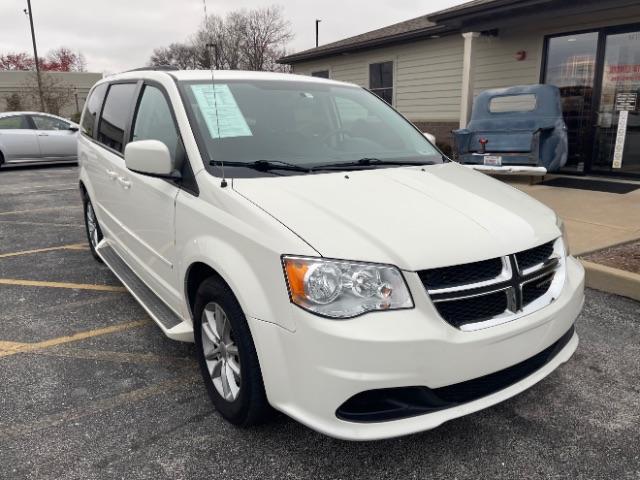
(412, 217)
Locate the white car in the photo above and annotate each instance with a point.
(34, 137)
(325, 258)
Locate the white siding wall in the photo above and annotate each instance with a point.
(427, 76)
(496, 65)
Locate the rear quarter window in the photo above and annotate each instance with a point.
(115, 114)
(92, 109)
(16, 122)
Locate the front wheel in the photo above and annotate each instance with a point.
(94, 234)
(227, 355)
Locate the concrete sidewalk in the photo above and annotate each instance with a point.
(594, 220)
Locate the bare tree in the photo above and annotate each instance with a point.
(13, 102)
(228, 36)
(243, 39)
(267, 34)
(56, 93)
(179, 55)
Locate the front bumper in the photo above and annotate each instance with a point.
(309, 374)
(509, 169)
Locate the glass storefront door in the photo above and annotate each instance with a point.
(618, 126)
(571, 66)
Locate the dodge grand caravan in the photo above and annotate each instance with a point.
(324, 256)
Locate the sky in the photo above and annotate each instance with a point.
(116, 35)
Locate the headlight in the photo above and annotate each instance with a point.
(341, 289)
(565, 241)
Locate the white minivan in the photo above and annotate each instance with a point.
(325, 257)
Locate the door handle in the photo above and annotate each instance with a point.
(126, 184)
(43, 134)
(112, 174)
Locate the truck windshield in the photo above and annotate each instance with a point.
(300, 123)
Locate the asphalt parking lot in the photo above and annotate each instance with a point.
(89, 387)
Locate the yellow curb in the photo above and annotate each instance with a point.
(612, 280)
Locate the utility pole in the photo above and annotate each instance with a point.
(35, 54)
(317, 24)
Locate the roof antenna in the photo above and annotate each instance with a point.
(212, 50)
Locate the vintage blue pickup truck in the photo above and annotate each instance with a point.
(515, 130)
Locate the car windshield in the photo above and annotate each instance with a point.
(292, 124)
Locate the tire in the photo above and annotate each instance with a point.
(93, 236)
(243, 400)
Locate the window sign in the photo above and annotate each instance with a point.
(621, 137)
(221, 111)
(626, 101)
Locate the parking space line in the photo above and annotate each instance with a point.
(29, 347)
(22, 222)
(25, 192)
(44, 209)
(73, 246)
(72, 286)
(118, 357)
(58, 419)
(9, 346)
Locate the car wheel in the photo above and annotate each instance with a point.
(227, 355)
(94, 234)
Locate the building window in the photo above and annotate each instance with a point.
(381, 80)
(321, 74)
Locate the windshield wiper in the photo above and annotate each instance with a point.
(263, 165)
(368, 161)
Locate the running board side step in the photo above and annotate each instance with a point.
(171, 324)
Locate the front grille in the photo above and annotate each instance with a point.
(475, 309)
(535, 289)
(473, 293)
(534, 256)
(446, 277)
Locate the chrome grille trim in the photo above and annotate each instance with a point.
(512, 281)
(505, 275)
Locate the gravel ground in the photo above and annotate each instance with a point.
(625, 257)
(125, 402)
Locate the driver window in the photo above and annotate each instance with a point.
(358, 122)
(154, 122)
(350, 111)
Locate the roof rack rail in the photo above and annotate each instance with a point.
(158, 68)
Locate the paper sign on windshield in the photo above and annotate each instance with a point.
(221, 112)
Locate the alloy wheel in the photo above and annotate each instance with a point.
(220, 351)
(92, 226)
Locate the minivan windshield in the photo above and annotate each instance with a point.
(300, 126)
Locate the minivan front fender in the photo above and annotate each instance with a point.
(243, 245)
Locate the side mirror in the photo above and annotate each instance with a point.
(430, 137)
(149, 157)
(73, 128)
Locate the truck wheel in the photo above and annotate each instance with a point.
(227, 355)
